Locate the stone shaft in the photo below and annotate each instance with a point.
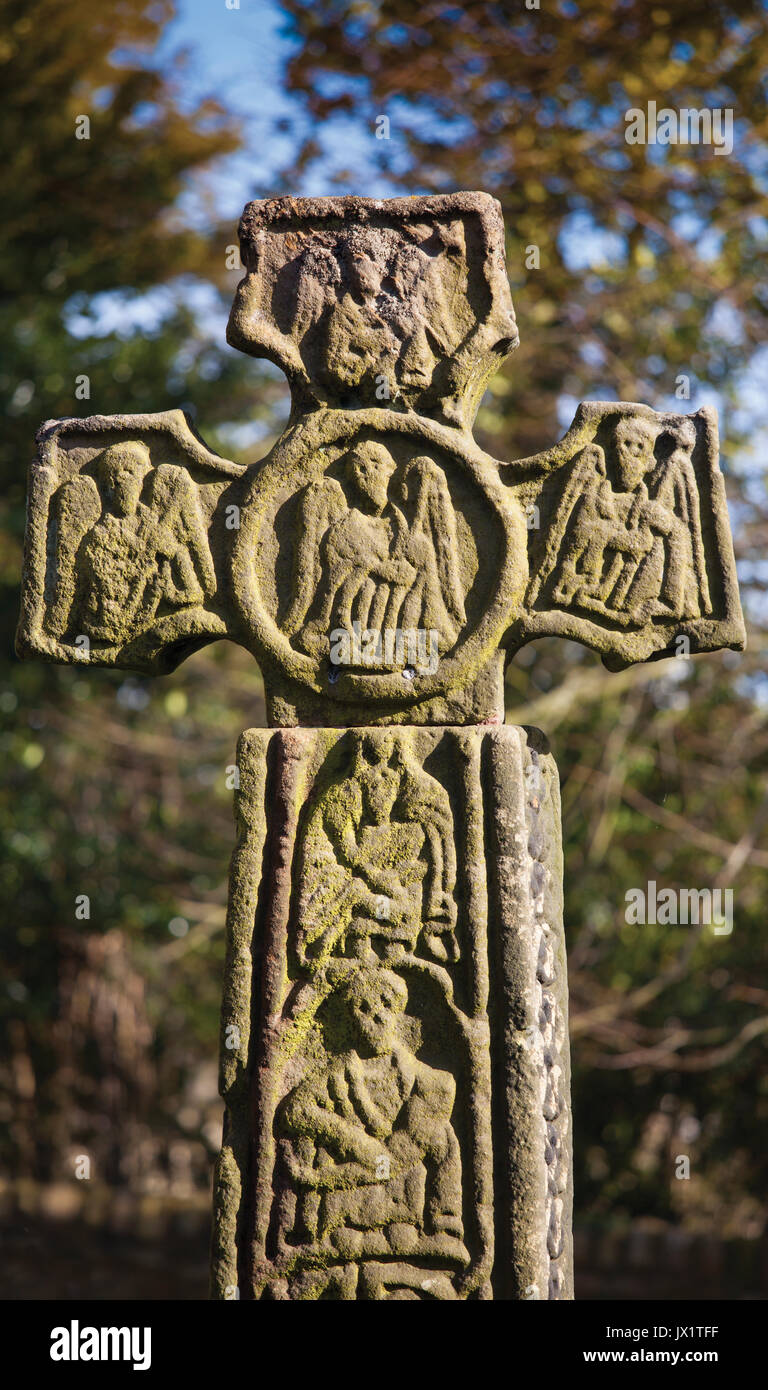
(394, 1055)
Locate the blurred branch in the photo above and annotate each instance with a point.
(664, 1054)
(672, 820)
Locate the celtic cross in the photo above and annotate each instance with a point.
(394, 1026)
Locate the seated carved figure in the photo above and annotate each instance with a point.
(370, 1161)
(630, 546)
(603, 539)
(377, 861)
(356, 340)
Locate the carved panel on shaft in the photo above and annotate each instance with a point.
(378, 1037)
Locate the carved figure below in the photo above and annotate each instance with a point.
(631, 549)
(387, 562)
(370, 1159)
(378, 862)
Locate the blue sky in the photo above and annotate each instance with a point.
(238, 56)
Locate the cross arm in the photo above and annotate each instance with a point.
(127, 520)
(629, 543)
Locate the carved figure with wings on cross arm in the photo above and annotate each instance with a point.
(129, 544)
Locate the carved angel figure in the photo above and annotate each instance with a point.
(128, 546)
(384, 563)
(629, 548)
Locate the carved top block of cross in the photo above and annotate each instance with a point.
(365, 302)
(379, 565)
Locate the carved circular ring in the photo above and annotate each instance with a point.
(491, 517)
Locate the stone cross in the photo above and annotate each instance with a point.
(394, 1027)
